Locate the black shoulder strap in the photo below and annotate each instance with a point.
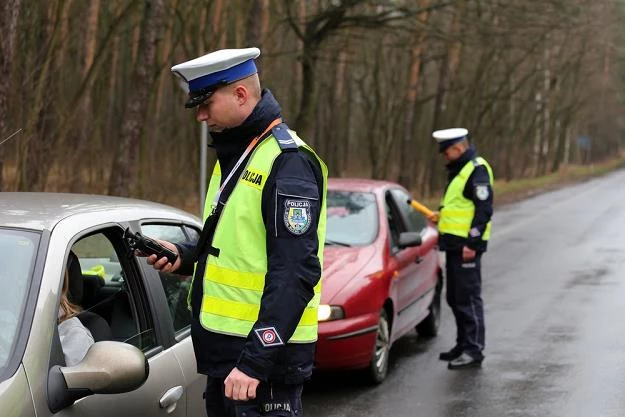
(284, 139)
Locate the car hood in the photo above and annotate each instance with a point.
(341, 265)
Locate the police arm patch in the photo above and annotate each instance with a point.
(269, 336)
(481, 192)
(297, 217)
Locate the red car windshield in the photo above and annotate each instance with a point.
(17, 255)
(352, 218)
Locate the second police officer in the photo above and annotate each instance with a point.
(464, 224)
(258, 261)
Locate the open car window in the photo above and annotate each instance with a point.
(412, 220)
(110, 287)
(176, 287)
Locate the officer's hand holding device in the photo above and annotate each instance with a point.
(161, 254)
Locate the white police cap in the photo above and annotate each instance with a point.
(447, 137)
(202, 76)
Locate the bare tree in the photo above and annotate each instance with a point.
(9, 12)
(124, 170)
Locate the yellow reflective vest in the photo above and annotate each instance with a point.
(234, 281)
(457, 211)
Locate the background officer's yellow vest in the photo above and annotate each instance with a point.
(457, 211)
(234, 281)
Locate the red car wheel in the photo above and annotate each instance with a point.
(381, 350)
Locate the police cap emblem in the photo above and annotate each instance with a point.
(297, 216)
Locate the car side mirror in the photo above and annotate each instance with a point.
(107, 368)
(409, 239)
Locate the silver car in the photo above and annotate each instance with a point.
(142, 361)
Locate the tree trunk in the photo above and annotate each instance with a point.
(257, 23)
(38, 156)
(219, 34)
(418, 48)
(124, 171)
(9, 12)
(309, 88)
(335, 136)
(445, 78)
(86, 131)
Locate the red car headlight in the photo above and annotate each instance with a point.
(328, 313)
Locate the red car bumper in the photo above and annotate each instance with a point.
(347, 343)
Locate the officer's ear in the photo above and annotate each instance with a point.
(241, 94)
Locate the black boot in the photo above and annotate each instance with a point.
(451, 355)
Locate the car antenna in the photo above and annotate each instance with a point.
(11, 135)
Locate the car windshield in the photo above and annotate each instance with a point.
(352, 218)
(17, 256)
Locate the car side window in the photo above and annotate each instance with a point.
(394, 224)
(193, 235)
(176, 286)
(104, 284)
(413, 220)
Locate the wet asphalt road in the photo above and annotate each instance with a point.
(554, 294)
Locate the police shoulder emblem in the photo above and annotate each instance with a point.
(481, 192)
(297, 216)
(269, 336)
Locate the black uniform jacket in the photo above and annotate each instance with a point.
(478, 190)
(293, 266)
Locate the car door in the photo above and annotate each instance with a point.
(133, 314)
(419, 287)
(405, 263)
(174, 289)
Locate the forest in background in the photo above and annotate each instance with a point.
(539, 84)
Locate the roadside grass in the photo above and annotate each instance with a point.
(511, 191)
(507, 192)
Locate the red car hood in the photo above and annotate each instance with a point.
(340, 266)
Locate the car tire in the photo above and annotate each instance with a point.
(429, 325)
(378, 368)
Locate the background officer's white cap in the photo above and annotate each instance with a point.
(202, 76)
(447, 137)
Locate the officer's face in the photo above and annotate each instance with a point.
(453, 152)
(222, 110)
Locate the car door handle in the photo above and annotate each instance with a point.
(170, 399)
(418, 260)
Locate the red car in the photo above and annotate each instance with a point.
(381, 276)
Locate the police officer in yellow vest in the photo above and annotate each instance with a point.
(258, 261)
(464, 224)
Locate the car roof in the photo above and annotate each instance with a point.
(359, 184)
(42, 211)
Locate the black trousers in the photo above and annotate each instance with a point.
(272, 399)
(464, 296)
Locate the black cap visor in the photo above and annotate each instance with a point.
(442, 146)
(199, 97)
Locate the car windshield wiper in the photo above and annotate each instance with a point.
(336, 243)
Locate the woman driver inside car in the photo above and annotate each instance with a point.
(76, 339)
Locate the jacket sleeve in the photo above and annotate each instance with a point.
(291, 211)
(480, 191)
(185, 251)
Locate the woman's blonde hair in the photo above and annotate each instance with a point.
(68, 309)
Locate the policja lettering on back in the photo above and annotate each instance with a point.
(464, 225)
(257, 264)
